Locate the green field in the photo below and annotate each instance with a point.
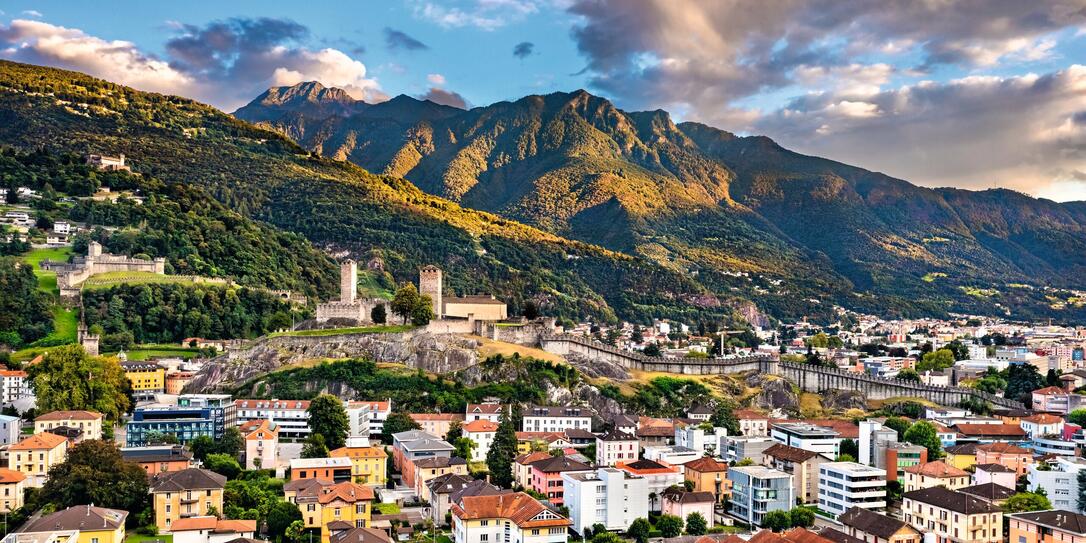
(65, 323)
(133, 537)
(389, 329)
(386, 508)
(47, 280)
(371, 286)
(144, 352)
(106, 280)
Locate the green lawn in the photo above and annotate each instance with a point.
(370, 285)
(386, 508)
(65, 325)
(47, 280)
(133, 537)
(106, 280)
(143, 354)
(387, 329)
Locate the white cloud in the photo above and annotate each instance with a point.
(436, 79)
(482, 14)
(33, 13)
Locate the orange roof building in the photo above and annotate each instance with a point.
(35, 455)
(936, 473)
(474, 516)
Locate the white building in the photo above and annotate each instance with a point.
(491, 411)
(672, 454)
(757, 490)
(482, 432)
(506, 518)
(13, 386)
(844, 485)
(698, 439)
(290, 415)
(615, 446)
(1061, 482)
(556, 418)
(808, 437)
(10, 429)
(367, 418)
(62, 227)
(611, 497)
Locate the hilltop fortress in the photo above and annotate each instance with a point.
(70, 276)
(484, 308)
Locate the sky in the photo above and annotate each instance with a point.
(972, 94)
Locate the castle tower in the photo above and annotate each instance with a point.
(348, 281)
(87, 340)
(94, 250)
(430, 285)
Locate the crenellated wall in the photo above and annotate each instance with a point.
(808, 377)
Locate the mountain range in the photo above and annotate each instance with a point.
(567, 200)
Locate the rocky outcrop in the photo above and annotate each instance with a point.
(844, 399)
(598, 368)
(774, 393)
(435, 353)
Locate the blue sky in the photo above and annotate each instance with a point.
(963, 94)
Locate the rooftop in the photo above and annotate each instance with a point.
(959, 502)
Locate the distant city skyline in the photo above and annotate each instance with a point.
(969, 95)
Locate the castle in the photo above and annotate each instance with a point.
(70, 277)
(479, 308)
(349, 305)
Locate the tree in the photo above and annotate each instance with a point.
(745, 462)
(464, 447)
(378, 314)
(68, 379)
(959, 349)
(1022, 380)
(423, 312)
(897, 424)
(295, 531)
(405, 301)
(606, 537)
(777, 521)
(231, 442)
(315, 447)
(94, 472)
(936, 361)
(398, 422)
(1052, 378)
(696, 524)
(280, 516)
(530, 311)
(651, 349)
(909, 374)
(499, 459)
(223, 464)
(923, 433)
(850, 447)
(328, 418)
(201, 446)
(801, 517)
(669, 525)
(639, 530)
(846, 458)
(1078, 416)
(1026, 501)
(724, 416)
(456, 431)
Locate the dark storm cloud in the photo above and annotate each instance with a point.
(523, 49)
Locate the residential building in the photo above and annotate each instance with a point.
(961, 456)
(872, 434)
(607, 496)
(11, 429)
(87, 523)
(989, 492)
(808, 437)
(36, 455)
(757, 490)
(752, 423)
(176, 381)
(370, 462)
(547, 476)
(844, 485)
(522, 467)
(326, 503)
(445, 490)
(292, 416)
(192, 416)
(209, 529)
(426, 469)
(871, 527)
(147, 379)
(1052, 400)
(1042, 424)
(802, 465)
(261, 443)
(336, 470)
(506, 518)
(614, 446)
(186, 493)
(655, 432)
(556, 418)
(87, 421)
(367, 418)
(698, 439)
(682, 504)
(339, 533)
(989, 433)
(658, 475)
(484, 411)
(736, 448)
(155, 459)
(437, 424)
(1060, 480)
(900, 456)
(1054, 526)
(708, 475)
(14, 384)
(935, 473)
(994, 473)
(12, 487)
(415, 444)
(482, 433)
(1057, 445)
(671, 454)
(1012, 456)
(952, 516)
(529, 441)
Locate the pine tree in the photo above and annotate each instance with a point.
(499, 459)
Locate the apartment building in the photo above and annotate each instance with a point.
(952, 516)
(844, 485)
(556, 418)
(757, 490)
(607, 496)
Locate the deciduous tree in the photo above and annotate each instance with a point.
(328, 418)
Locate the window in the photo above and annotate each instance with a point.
(484, 537)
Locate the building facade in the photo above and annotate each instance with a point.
(607, 496)
(757, 490)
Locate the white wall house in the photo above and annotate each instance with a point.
(608, 496)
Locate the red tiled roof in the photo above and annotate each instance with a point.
(524, 510)
(480, 425)
(937, 468)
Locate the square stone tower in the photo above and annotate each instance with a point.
(348, 281)
(430, 285)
